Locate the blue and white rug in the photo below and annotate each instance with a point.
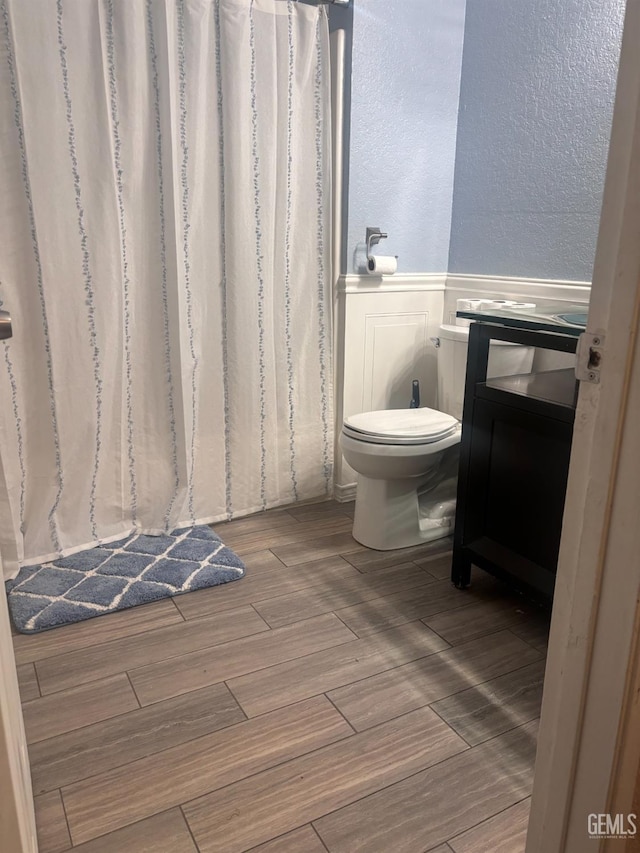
(118, 575)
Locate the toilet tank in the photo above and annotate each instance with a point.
(505, 359)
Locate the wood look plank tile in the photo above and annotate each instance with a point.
(396, 609)
(504, 833)
(256, 523)
(277, 800)
(315, 548)
(162, 781)
(51, 824)
(303, 840)
(426, 809)
(478, 618)
(370, 561)
(83, 665)
(399, 690)
(27, 682)
(339, 592)
(80, 706)
(163, 833)
(319, 511)
(437, 565)
(103, 746)
(268, 582)
(197, 669)
(93, 632)
(295, 534)
(495, 706)
(535, 631)
(300, 678)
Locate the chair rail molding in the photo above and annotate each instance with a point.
(399, 283)
(557, 290)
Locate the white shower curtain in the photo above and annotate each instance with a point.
(164, 223)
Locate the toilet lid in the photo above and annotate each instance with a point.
(401, 426)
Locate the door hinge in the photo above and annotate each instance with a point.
(589, 356)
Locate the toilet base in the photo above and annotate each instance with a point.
(401, 513)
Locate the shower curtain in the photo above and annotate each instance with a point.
(164, 223)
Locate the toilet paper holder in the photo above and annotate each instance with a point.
(374, 235)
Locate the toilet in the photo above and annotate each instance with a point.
(407, 459)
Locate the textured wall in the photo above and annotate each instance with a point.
(405, 86)
(538, 82)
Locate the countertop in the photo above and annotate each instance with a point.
(564, 318)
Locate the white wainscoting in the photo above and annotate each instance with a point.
(383, 331)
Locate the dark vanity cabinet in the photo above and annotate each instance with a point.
(514, 462)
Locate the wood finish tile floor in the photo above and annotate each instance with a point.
(334, 699)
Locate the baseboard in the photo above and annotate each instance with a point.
(552, 289)
(344, 494)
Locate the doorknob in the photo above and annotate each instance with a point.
(5, 325)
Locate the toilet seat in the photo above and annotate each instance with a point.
(401, 426)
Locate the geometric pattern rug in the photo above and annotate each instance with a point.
(118, 575)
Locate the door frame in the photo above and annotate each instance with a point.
(587, 761)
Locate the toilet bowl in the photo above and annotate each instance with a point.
(407, 464)
(407, 459)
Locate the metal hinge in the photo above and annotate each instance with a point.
(589, 355)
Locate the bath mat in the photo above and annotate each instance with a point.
(118, 575)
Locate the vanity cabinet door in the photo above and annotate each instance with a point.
(518, 464)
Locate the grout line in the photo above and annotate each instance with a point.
(173, 601)
(239, 704)
(66, 818)
(133, 688)
(541, 652)
(35, 671)
(487, 819)
(448, 724)
(261, 617)
(449, 645)
(348, 627)
(188, 825)
(320, 838)
(405, 558)
(329, 699)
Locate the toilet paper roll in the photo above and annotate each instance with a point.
(490, 305)
(382, 265)
(466, 305)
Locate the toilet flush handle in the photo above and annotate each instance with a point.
(435, 342)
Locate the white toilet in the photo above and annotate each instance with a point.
(407, 459)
